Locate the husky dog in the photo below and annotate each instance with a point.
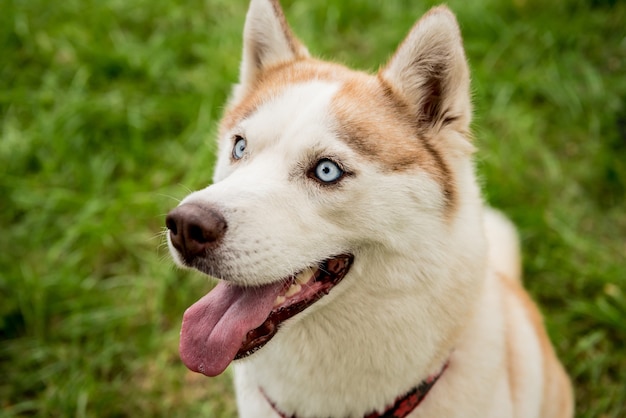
(361, 274)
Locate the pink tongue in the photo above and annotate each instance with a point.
(214, 327)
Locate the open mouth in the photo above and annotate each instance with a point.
(232, 322)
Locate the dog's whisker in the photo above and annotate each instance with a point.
(175, 199)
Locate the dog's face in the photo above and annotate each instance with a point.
(320, 171)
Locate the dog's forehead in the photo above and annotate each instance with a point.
(296, 117)
(274, 82)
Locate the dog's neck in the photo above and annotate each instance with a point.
(401, 408)
(355, 351)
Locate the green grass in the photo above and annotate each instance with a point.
(107, 113)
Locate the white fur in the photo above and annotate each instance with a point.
(425, 287)
(260, 192)
(505, 258)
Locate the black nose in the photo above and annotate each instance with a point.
(195, 229)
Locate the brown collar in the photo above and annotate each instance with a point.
(402, 406)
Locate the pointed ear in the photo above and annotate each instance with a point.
(267, 41)
(429, 72)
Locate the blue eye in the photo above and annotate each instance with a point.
(239, 148)
(328, 171)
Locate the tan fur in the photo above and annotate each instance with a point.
(557, 399)
(430, 70)
(268, 41)
(365, 129)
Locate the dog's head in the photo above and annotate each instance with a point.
(320, 170)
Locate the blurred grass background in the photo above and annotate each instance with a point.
(107, 115)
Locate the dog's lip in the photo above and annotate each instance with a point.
(232, 322)
(322, 279)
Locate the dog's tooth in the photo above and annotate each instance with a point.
(304, 276)
(293, 289)
(279, 300)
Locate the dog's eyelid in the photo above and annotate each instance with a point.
(236, 137)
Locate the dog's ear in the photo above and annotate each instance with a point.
(430, 74)
(267, 41)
